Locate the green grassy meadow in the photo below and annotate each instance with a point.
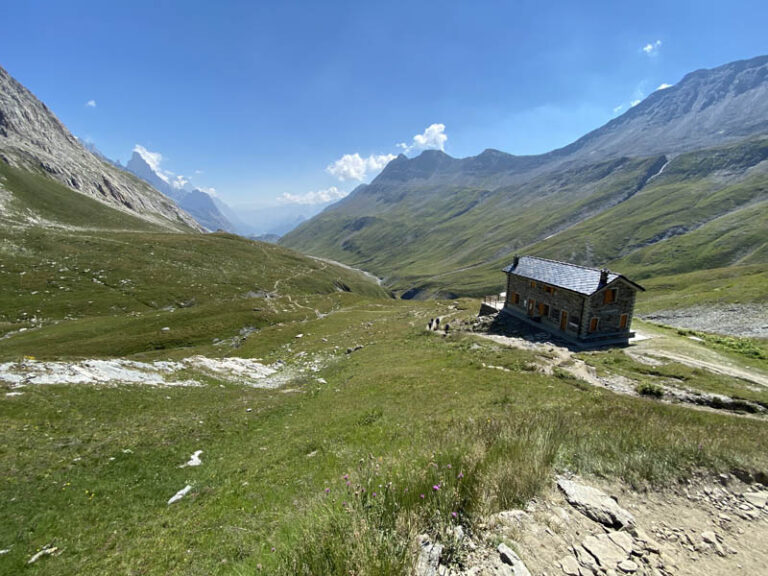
(382, 431)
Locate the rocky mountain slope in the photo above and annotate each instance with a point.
(194, 201)
(440, 224)
(32, 138)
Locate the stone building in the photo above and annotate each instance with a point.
(586, 306)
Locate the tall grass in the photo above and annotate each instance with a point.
(366, 524)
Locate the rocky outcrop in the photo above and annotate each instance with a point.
(32, 138)
(596, 505)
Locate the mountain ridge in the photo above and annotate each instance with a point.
(33, 138)
(447, 214)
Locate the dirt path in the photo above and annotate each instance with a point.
(716, 367)
(552, 357)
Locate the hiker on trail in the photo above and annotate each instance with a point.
(431, 322)
(437, 323)
(447, 328)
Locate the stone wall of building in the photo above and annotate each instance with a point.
(556, 301)
(609, 315)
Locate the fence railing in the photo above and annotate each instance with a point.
(494, 300)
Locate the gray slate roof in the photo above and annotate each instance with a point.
(578, 279)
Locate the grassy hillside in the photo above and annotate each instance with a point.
(428, 232)
(28, 198)
(367, 397)
(706, 210)
(90, 470)
(90, 272)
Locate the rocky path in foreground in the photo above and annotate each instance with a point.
(580, 528)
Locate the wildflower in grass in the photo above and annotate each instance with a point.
(373, 494)
(454, 514)
(346, 477)
(327, 490)
(273, 548)
(460, 476)
(449, 466)
(349, 483)
(436, 487)
(421, 496)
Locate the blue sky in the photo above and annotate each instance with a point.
(259, 99)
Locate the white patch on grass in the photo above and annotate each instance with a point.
(46, 551)
(194, 460)
(180, 494)
(241, 370)
(159, 373)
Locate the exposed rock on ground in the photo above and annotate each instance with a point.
(595, 504)
(712, 526)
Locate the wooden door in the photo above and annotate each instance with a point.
(623, 321)
(563, 320)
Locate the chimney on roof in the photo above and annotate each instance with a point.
(515, 261)
(603, 276)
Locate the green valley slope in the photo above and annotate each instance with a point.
(646, 217)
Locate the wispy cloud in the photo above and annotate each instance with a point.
(91, 104)
(664, 86)
(433, 138)
(179, 182)
(355, 167)
(317, 197)
(652, 49)
(154, 159)
(634, 103)
(618, 108)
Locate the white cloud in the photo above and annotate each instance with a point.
(653, 48)
(634, 103)
(91, 104)
(319, 197)
(154, 160)
(355, 167)
(210, 191)
(618, 108)
(433, 138)
(664, 86)
(179, 182)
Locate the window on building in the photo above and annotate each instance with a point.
(543, 309)
(610, 295)
(515, 298)
(533, 284)
(593, 323)
(623, 321)
(549, 289)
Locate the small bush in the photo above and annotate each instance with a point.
(648, 389)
